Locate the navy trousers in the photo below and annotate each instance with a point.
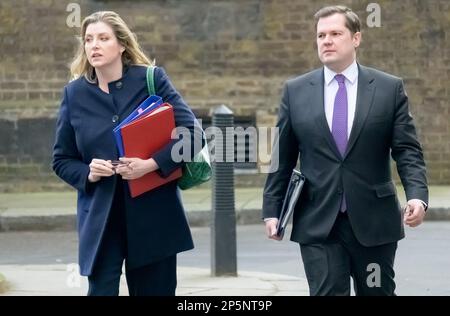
(156, 279)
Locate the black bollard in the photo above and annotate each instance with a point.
(223, 224)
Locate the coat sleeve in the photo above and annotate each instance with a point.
(284, 156)
(406, 150)
(183, 118)
(67, 162)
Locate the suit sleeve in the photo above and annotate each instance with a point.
(406, 150)
(194, 139)
(284, 158)
(67, 162)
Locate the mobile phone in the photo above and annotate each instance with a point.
(117, 163)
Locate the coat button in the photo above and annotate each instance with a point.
(119, 84)
(115, 118)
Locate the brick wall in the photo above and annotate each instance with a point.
(233, 52)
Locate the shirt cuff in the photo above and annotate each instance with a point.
(425, 205)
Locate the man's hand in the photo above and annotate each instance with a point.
(100, 168)
(135, 168)
(271, 228)
(414, 213)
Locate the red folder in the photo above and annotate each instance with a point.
(145, 136)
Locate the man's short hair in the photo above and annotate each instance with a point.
(352, 21)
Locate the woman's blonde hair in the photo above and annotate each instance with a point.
(133, 54)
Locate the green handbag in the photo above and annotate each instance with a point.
(196, 171)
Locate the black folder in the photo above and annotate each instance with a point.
(290, 200)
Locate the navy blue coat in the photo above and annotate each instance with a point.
(156, 223)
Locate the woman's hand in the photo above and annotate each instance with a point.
(100, 168)
(135, 168)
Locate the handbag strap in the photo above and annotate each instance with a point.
(151, 80)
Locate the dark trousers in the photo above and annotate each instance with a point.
(158, 278)
(329, 265)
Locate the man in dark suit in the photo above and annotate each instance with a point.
(345, 120)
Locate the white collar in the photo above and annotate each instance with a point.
(350, 73)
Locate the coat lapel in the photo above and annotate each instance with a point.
(364, 100)
(317, 95)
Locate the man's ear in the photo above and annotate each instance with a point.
(357, 39)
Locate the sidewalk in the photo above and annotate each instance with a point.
(59, 280)
(56, 210)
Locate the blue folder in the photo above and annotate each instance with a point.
(149, 104)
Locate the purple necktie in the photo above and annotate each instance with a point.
(339, 125)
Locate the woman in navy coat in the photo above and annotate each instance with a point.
(147, 231)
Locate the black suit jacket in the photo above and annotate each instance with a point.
(382, 127)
